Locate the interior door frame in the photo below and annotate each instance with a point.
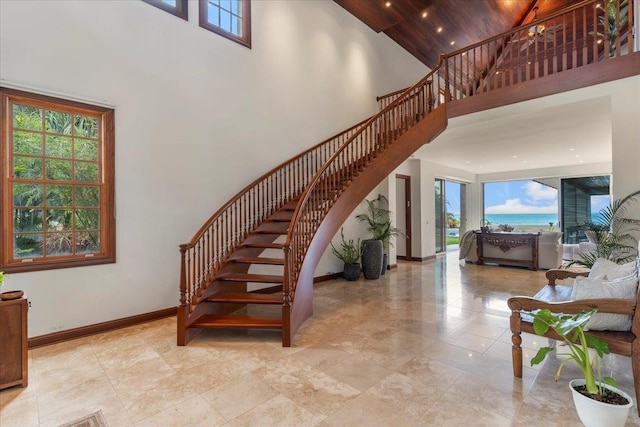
(407, 203)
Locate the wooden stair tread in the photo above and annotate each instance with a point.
(247, 277)
(281, 216)
(290, 206)
(272, 228)
(245, 298)
(211, 321)
(262, 245)
(257, 260)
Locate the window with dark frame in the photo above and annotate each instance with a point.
(57, 187)
(228, 18)
(175, 7)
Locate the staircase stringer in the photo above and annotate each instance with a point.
(350, 197)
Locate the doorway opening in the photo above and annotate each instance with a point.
(403, 217)
(450, 214)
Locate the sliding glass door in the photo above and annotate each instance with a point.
(441, 242)
(581, 198)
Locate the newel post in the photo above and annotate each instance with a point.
(183, 276)
(286, 297)
(182, 309)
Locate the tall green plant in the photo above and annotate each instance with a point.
(378, 220)
(612, 234)
(608, 22)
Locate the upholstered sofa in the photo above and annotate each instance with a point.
(549, 251)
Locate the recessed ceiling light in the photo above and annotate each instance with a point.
(453, 42)
(388, 4)
(439, 29)
(424, 14)
(515, 157)
(468, 161)
(524, 161)
(464, 53)
(572, 149)
(577, 155)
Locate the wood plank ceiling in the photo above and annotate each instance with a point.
(427, 28)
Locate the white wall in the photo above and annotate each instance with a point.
(197, 118)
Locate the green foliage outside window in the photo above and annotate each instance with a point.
(58, 212)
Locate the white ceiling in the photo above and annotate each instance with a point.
(528, 137)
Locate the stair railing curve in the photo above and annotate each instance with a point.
(368, 142)
(202, 257)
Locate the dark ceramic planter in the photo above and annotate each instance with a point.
(351, 272)
(372, 259)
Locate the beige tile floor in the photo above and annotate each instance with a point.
(426, 345)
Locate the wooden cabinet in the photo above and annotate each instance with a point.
(506, 242)
(13, 343)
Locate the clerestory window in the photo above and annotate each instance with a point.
(57, 187)
(174, 7)
(228, 18)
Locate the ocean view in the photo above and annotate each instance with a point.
(523, 219)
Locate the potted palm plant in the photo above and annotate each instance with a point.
(349, 254)
(378, 220)
(612, 234)
(597, 399)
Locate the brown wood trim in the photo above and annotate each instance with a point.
(407, 213)
(388, 95)
(106, 164)
(327, 277)
(180, 9)
(577, 78)
(85, 331)
(244, 40)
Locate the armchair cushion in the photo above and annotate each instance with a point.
(609, 270)
(624, 288)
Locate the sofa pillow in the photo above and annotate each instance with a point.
(609, 270)
(625, 288)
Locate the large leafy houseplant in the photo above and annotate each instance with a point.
(612, 234)
(597, 399)
(570, 327)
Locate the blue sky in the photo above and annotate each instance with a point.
(516, 197)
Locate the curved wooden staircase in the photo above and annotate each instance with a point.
(271, 236)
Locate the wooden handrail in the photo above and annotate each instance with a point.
(202, 257)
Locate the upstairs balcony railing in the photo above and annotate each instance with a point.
(590, 31)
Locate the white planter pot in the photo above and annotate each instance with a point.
(593, 413)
